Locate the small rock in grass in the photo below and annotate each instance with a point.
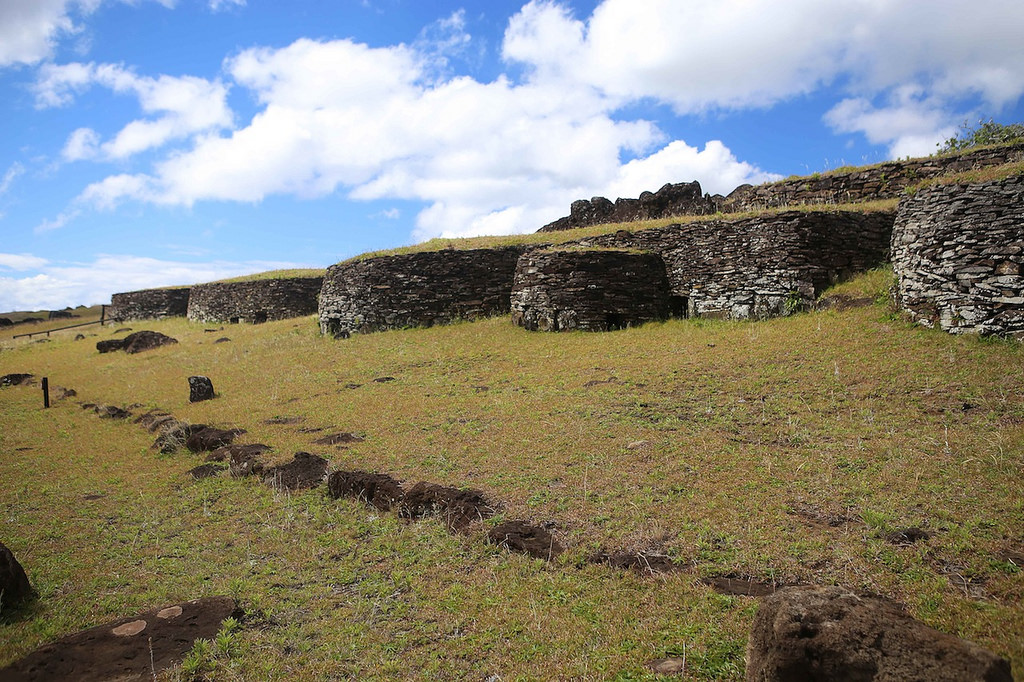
(14, 585)
(200, 388)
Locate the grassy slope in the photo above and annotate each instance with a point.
(848, 413)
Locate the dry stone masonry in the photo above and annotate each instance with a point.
(759, 267)
(684, 198)
(588, 290)
(254, 301)
(149, 304)
(958, 255)
(416, 290)
(883, 181)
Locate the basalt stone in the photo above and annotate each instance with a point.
(831, 633)
(522, 537)
(134, 648)
(146, 340)
(245, 463)
(16, 379)
(685, 198)
(110, 345)
(14, 585)
(200, 388)
(210, 438)
(380, 490)
(458, 508)
(306, 470)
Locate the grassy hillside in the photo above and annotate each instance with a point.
(783, 450)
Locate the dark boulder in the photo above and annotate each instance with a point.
(146, 340)
(306, 470)
(110, 345)
(228, 452)
(834, 634)
(245, 463)
(519, 536)
(200, 388)
(458, 508)
(134, 648)
(16, 379)
(6, 322)
(14, 585)
(379, 490)
(209, 438)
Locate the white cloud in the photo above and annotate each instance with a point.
(217, 5)
(82, 144)
(31, 29)
(13, 171)
(184, 106)
(909, 124)
(21, 261)
(28, 30)
(62, 219)
(485, 157)
(58, 285)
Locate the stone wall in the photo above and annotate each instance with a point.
(588, 290)
(149, 304)
(416, 290)
(883, 181)
(254, 301)
(763, 266)
(958, 254)
(683, 198)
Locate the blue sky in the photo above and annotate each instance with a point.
(157, 142)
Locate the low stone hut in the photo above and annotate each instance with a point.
(149, 304)
(958, 255)
(254, 301)
(416, 290)
(589, 290)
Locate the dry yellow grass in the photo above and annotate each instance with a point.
(748, 431)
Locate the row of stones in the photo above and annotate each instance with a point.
(958, 255)
(803, 632)
(883, 181)
(254, 301)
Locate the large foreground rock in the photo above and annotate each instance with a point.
(14, 585)
(830, 633)
(128, 649)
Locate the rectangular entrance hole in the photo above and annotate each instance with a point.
(678, 306)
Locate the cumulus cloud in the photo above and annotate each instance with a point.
(28, 30)
(184, 106)
(706, 54)
(31, 29)
(57, 285)
(909, 124)
(21, 261)
(340, 116)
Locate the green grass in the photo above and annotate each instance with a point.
(274, 274)
(751, 430)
